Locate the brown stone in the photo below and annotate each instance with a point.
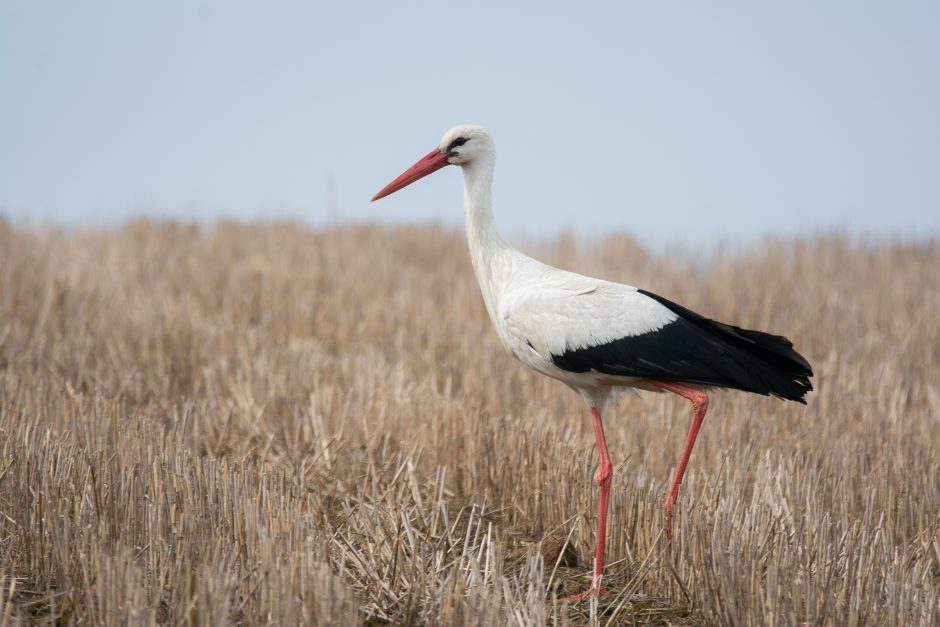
(551, 547)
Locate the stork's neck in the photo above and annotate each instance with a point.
(490, 254)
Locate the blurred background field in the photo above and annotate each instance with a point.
(271, 424)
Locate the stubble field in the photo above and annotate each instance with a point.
(271, 425)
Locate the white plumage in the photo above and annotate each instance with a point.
(537, 310)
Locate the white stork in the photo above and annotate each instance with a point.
(597, 336)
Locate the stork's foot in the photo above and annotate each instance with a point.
(587, 594)
(667, 520)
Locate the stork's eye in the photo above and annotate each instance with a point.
(460, 141)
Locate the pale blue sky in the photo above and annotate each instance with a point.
(675, 121)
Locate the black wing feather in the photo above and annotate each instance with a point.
(694, 349)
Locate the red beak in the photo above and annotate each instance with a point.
(431, 162)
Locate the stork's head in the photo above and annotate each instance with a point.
(466, 143)
(462, 145)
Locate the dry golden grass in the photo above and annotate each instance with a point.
(270, 425)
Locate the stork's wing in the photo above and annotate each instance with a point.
(582, 325)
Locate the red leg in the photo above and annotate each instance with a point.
(699, 406)
(605, 471)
